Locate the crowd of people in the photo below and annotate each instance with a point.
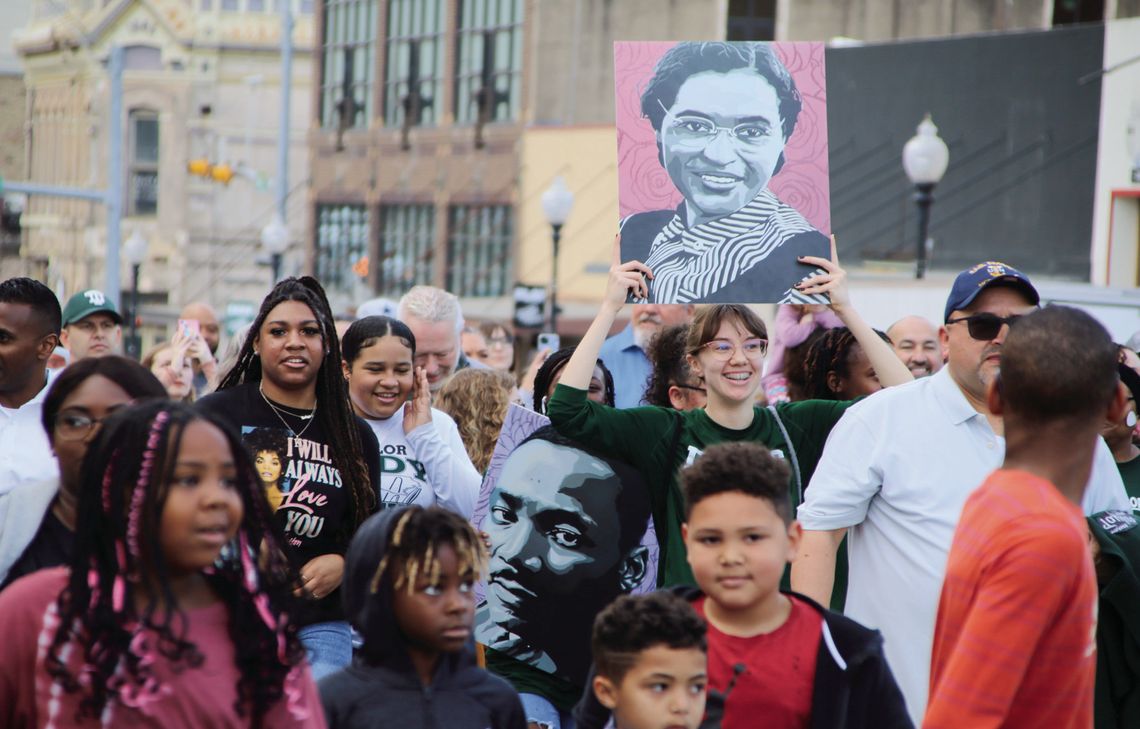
(929, 525)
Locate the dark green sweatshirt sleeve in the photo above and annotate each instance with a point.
(627, 434)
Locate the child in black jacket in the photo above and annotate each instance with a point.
(408, 590)
(775, 659)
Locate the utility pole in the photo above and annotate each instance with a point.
(282, 189)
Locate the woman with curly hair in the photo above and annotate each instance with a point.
(166, 616)
(477, 400)
(672, 383)
(422, 455)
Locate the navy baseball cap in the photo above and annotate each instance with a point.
(976, 279)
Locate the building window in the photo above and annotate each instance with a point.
(1069, 12)
(489, 63)
(142, 169)
(349, 55)
(479, 250)
(342, 240)
(751, 20)
(414, 69)
(407, 245)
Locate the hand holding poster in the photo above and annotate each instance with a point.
(722, 168)
(570, 530)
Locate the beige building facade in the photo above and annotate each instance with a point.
(201, 80)
(425, 190)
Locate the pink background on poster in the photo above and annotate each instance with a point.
(644, 185)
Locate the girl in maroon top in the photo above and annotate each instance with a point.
(168, 615)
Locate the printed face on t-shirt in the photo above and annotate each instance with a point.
(300, 480)
(268, 465)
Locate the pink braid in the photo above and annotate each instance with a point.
(133, 516)
(107, 481)
(249, 572)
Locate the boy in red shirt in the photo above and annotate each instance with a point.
(775, 659)
(1015, 641)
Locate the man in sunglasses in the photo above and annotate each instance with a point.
(899, 466)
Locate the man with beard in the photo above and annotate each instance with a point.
(565, 527)
(915, 341)
(898, 468)
(624, 352)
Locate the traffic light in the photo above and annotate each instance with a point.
(199, 167)
(202, 167)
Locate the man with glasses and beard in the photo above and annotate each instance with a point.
(625, 352)
(897, 470)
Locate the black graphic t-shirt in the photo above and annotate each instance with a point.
(301, 481)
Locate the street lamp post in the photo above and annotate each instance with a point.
(924, 158)
(275, 239)
(557, 201)
(134, 249)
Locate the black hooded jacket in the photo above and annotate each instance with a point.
(854, 688)
(381, 688)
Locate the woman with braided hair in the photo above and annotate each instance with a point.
(288, 378)
(837, 368)
(166, 616)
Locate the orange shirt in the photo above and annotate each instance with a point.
(1015, 643)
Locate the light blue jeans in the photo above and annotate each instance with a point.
(328, 646)
(542, 712)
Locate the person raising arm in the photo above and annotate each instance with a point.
(726, 347)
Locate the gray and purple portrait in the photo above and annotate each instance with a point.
(722, 168)
(570, 531)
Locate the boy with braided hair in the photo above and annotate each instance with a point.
(409, 591)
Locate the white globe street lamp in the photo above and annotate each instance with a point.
(275, 239)
(925, 158)
(557, 201)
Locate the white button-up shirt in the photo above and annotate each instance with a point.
(897, 470)
(25, 453)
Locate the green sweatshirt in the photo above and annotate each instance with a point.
(1117, 699)
(658, 441)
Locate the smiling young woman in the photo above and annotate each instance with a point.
(287, 379)
(725, 347)
(425, 462)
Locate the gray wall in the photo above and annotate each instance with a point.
(1022, 133)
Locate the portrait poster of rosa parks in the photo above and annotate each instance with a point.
(570, 530)
(723, 168)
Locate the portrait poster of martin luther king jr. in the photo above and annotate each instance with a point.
(569, 531)
(722, 168)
